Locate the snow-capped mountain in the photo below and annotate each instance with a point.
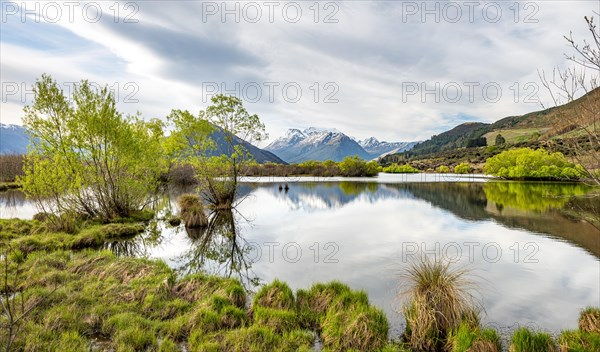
(13, 139)
(315, 144)
(375, 147)
(328, 144)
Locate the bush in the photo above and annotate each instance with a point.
(462, 168)
(353, 166)
(526, 164)
(443, 169)
(400, 169)
(499, 139)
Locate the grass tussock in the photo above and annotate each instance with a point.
(437, 300)
(525, 340)
(313, 303)
(589, 320)
(361, 327)
(578, 341)
(192, 211)
(276, 295)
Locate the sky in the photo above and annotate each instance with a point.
(396, 70)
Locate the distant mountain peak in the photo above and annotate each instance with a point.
(314, 143)
(312, 130)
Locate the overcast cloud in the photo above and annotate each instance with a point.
(353, 62)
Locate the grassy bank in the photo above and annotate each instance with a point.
(74, 300)
(140, 305)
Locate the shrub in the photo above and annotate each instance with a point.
(462, 168)
(353, 166)
(526, 163)
(443, 169)
(400, 169)
(499, 139)
(524, 340)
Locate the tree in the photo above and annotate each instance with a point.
(565, 86)
(86, 158)
(526, 163)
(462, 168)
(499, 140)
(213, 143)
(477, 142)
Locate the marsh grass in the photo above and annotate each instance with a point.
(360, 327)
(277, 295)
(191, 211)
(469, 338)
(589, 320)
(437, 299)
(312, 304)
(578, 341)
(525, 340)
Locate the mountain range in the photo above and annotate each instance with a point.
(14, 140)
(330, 144)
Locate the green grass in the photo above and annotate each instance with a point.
(141, 305)
(472, 338)
(276, 295)
(33, 235)
(524, 340)
(579, 341)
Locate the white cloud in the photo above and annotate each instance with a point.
(370, 55)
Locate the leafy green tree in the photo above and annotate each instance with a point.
(353, 166)
(86, 157)
(499, 139)
(462, 168)
(400, 169)
(443, 169)
(212, 143)
(527, 163)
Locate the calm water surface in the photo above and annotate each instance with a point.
(533, 264)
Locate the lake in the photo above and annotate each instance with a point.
(533, 263)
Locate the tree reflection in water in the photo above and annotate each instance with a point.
(219, 249)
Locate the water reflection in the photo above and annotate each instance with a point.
(219, 249)
(536, 207)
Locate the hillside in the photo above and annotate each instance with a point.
(540, 128)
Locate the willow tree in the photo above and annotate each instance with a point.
(214, 143)
(85, 157)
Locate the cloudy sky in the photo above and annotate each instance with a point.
(397, 70)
